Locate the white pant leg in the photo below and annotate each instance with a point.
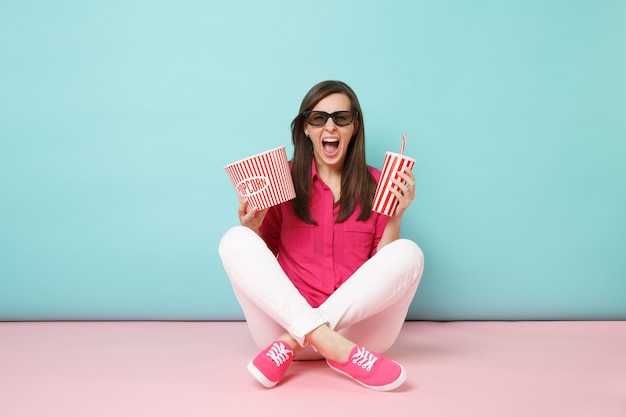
(371, 306)
(263, 329)
(379, 331)
(257, 276)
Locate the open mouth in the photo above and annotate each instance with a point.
(330, 145)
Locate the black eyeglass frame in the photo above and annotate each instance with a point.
(334, 115)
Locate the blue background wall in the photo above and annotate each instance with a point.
(116, 118)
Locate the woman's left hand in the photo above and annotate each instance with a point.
(404, 191)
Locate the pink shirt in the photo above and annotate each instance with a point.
(318, 259)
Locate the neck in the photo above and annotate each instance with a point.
(331, 176)
(328, 173)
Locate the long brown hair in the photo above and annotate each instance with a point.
(357, 184)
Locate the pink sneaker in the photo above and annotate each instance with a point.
(371, 370)
(270, 365)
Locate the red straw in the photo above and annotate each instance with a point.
(403, 143)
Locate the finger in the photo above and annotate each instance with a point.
(259, 215)
(241, 212)
(404, 191)
(401, 185)
(408, 178)
(403, 203)
(400, 195)
(253, 213)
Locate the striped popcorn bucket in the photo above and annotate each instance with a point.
(264, 179)
(384, 201)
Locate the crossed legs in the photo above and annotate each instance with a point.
(368, 309)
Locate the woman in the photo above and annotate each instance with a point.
(323, 276)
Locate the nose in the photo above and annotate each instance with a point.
(330, 124)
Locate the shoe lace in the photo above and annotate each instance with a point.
(278, 353)
(364, 358)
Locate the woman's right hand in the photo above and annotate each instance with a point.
(251, 219)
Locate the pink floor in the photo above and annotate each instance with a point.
(463, 369)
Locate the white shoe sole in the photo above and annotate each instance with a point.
(388, 387)
(259, 376)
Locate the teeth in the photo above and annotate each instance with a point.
(330, 145)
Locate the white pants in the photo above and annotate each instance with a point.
(369, 308)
